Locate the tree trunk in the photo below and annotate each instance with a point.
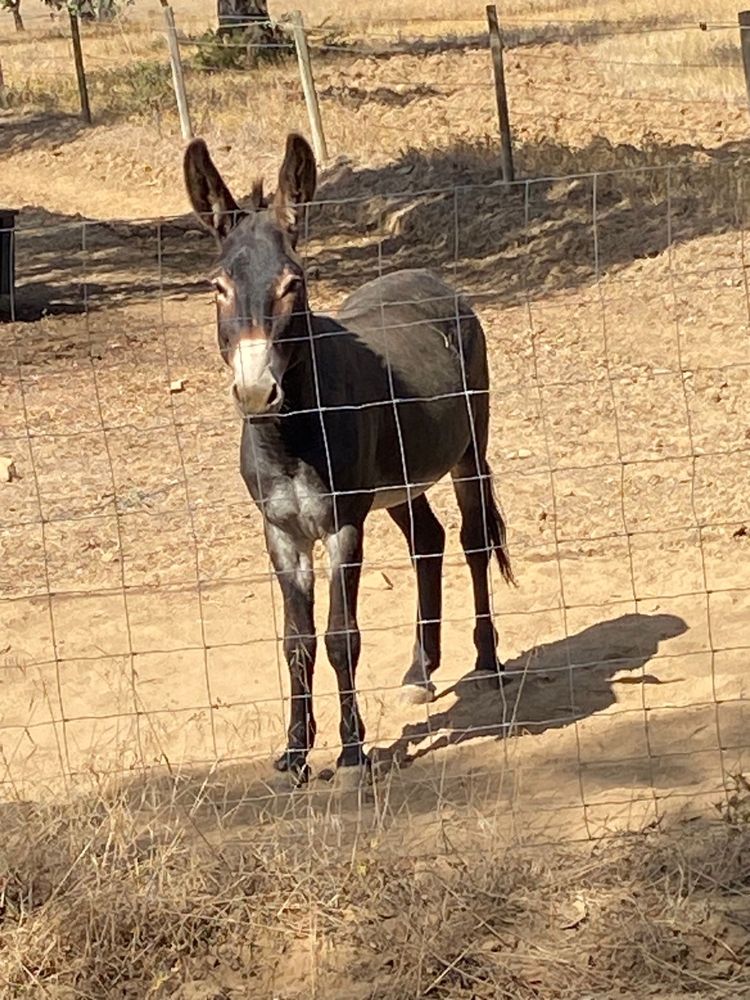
(247, 22)
(17, 19)
(237, 13)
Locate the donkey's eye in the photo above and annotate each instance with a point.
(221, 288)
(290, 285)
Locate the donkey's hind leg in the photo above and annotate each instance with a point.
(482, 530)
(426, 538)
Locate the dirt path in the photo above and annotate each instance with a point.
(139, 624)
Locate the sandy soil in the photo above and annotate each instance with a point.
(138, 621)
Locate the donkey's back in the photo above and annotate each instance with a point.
(429, 349)
(423, 328)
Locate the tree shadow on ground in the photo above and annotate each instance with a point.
(68, 264)
(449, 209)
(446, 209)
(23, 132)
(355, 97)
(515, 36)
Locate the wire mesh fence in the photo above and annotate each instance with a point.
(141, 621)
(143, 682)
(560, 71)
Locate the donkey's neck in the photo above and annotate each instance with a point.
(300, 382)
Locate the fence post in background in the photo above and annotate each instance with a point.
(75, 35)
(308, 86)
(744, 21)
(177, 76)
(501, 94)
(7, 263)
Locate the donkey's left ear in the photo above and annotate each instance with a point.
(211, 199)
(298, 178)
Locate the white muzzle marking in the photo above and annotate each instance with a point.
(253, 380)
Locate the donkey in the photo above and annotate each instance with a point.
(343, 416)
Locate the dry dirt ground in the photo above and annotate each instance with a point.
(138, 622)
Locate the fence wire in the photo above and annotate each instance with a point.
(141, 615)
(19, 75)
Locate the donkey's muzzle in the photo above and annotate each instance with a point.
(255, 390)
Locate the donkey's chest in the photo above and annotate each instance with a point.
(288, 490)
(298, 505)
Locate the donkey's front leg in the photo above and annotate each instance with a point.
(292, 560)
(343, 638)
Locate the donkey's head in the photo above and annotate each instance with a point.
(259, 280)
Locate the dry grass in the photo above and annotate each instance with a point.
(562, 105)
(101, 900)
(677, 58)
(569, 69)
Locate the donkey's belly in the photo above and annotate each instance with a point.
(425, 442)
(392, 496)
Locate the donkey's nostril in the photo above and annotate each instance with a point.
(258, 398)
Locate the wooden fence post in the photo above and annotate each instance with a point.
(744, 21)
(501, 94)
(177, 76)
(308, 86)
(83, 93)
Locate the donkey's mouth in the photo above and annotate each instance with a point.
(249, 409)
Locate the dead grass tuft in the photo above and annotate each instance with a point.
(95, 902)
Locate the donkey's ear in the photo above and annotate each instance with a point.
(210, 197)
(298, 177)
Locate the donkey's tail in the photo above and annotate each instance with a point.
(497, 532)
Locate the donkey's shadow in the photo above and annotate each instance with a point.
(547, 687)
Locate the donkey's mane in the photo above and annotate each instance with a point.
(257, 198)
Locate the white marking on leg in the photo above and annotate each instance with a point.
(418, 694)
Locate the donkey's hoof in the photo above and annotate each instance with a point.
(418, 694)
(293, 763)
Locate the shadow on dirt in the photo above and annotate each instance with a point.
(515, 36)
(548, 687)
(448, 209)
(74, 265)
(537, 698)
(444, 209)
(356, 97)
(43, 129)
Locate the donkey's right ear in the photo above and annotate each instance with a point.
(210, 197)
(298, 178)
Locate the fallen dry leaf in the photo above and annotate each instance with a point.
(573, 913)
(8, 471)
